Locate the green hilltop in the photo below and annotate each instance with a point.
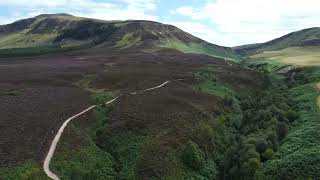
(63, 31)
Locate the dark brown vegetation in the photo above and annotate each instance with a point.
(146, 133)
(38, 94)
(215, 119)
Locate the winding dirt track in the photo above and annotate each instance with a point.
(46, 163)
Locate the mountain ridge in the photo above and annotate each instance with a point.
(64, 30)
(302, 38)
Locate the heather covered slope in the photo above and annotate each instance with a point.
(39, 93)
(63, 31)
(216, 119)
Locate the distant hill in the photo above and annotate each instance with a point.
(301, 48)
(303, 38)
(67, 31)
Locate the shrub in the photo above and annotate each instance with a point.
(253, 164)
(250, 167)
(31, 174)
(268, 154)
(282, 130)
(292, 115)
(273, 140)
(252, 153)
(228, 100)
(210, 170)
(193, 156)
(261, 145)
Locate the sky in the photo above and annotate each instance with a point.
(222, 22)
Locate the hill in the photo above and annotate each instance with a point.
(214, 119)
(299, 48)
(63, 32)
(303, 38)
(141, 136)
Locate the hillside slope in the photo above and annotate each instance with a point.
(303, 38)
(299, 48)
(65, 31)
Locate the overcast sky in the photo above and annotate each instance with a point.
(223, 22)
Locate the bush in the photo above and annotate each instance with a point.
(250, 167)
(292, 115)
(193, 156)
(252, 153)
(32, 174)
(228, 100)
(282, 130)
(261, 145)
(268, 154)
(273, 140)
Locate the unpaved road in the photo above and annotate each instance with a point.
(46, 163)
(150, 89)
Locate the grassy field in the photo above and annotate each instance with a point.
(199, 48)
(34, 51)
(21, 40)
(298, 56)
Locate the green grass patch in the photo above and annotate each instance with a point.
(25, 39)
(270, 66)
(41, 50)
(30, 170)
(85, 83)
(100, 96)
(210, 84)
(213, 86)
(129, 40)
(199, 48)
(298, 56)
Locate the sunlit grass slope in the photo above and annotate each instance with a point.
(299, 56)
